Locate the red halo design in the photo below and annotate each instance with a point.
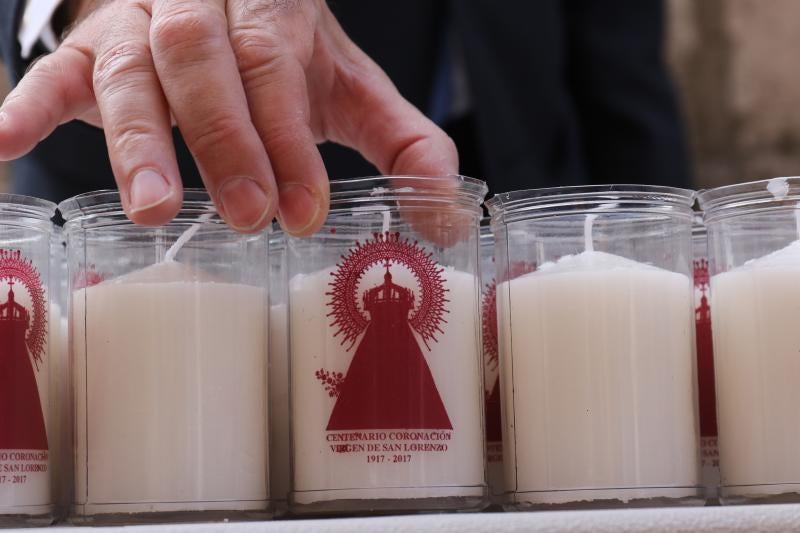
(14, 267)
(489, 324)
(350, 321)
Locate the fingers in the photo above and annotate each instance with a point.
(199, 76)
(369, 114)
(55, 90)
(275, 83)
(366, 112)
(136, 121)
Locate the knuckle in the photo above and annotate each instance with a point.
(43, 66)
(255, 49)
(187, 31)
(123, 61)
(131, 136)
(213, 132)
(269, 8)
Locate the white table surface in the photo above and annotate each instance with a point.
(736, 518)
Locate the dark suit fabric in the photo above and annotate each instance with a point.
(563, 92)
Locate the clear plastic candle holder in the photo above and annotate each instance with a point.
(754, 255)
(596, 336)
(491, 367)
(28, 385)
(169, 336)
(61, 453)
(709, 451)
(386, 365)
(280, 439)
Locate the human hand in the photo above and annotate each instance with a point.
(252, 85)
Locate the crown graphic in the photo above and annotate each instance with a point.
(701, 277)
(388, 292)
(16, 269)
(701, 281)
(11, 310)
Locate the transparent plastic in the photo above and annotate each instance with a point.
(61, 455)
(596, 336)
(29, 437)
(491, 368)
(280, 439)
(386, 364)
(706, 396)
(169, 349)
(754, 255)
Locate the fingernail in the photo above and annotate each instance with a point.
(299, 207)
(148, 190)
(244, 204)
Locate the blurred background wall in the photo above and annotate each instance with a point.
(734, 63)
(735, 66)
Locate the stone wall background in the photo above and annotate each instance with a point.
(735, 66)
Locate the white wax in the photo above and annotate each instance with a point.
(454, 359)
(170, 377)
(756, 342)
(279, 449)
(602, 391)
(59, 431)
(26, 476)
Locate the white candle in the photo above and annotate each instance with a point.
(170, 376)
(491, 377)
(386, 462)
(279, 449)
(601, 387)
(61, 404)
(756, 342)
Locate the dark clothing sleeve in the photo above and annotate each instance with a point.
(10, 15)
(570, 92)
(525, 123)
(631, 129)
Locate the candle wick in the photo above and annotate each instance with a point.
(185, 237)
(387, 220)
(587, 233)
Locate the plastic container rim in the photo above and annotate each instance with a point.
(748, 198)
(108, 202)
(534, 203)
(27, 205)
(466, 191)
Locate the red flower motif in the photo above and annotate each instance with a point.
(332, 381)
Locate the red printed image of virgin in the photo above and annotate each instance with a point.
(388, 384)
(22, 345)
(705, 351)
(490, 354)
